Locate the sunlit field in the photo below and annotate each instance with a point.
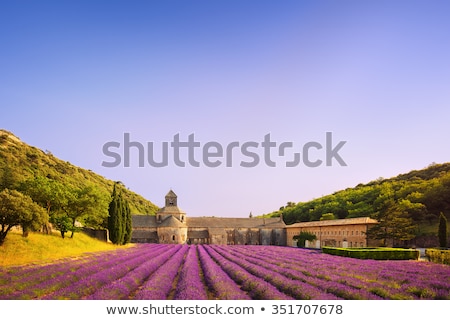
(40, 248)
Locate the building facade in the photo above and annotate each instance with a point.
(171, 225)
(345, 233)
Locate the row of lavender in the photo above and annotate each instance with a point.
(346, 278)
(178, 272)
(77, 279)
(144, 272)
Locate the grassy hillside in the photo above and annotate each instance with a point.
(419, 195)
(20, 161)
(40, 248)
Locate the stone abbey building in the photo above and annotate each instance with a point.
(171, 225)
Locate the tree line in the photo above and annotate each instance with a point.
(403, 205)
(40, 203)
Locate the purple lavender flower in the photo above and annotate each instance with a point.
(159, 285)
(163, 271)
(218, 281)
(190, 285)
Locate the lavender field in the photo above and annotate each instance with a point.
(182, 272)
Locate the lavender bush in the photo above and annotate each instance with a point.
(190, 285)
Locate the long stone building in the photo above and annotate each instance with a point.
(171, 225)
(345, 233)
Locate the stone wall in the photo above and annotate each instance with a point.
(210, 235)
(97, 234)
(256, 236)
(172, 235)
(334, 236)
(144, 236)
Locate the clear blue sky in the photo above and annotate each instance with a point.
(77, 74)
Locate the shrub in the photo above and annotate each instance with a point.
(302, 237)
(438, 256)
(374, 253)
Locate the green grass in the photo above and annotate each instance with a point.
(40, 248)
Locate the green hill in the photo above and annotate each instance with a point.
(20, 162)
(419, 195)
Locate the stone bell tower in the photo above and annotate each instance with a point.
(171, 199)
(171, 221)
(171, 209)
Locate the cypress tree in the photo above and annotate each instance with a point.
(115, 218)
(127, 222)
(442, 232)
(121, 219)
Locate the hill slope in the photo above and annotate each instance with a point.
(421, 194)
(20, 161)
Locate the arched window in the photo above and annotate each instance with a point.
(173, 238)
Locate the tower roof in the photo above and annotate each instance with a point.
(171, 193)
(171, 210)
(171, 206)
(172, 222)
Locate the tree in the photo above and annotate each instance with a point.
(290, 204)
(85, 205)
(393, 224)
(48, 193)
(442, 232)
(8, 178)
(115, 223)
(302, 237)
(68, 203)
(328, 216)
(18, 209)
(128, 229)
(62, 223)
(416, 210)
(359, 209)
(119, 218)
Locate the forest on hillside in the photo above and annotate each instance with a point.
(67, 193)
(413, 200)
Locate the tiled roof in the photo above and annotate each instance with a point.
(172, 222)
(214, 222)
(143, 221)
(217, 231)
(171, 193)
(337, 222)
(171, 210)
